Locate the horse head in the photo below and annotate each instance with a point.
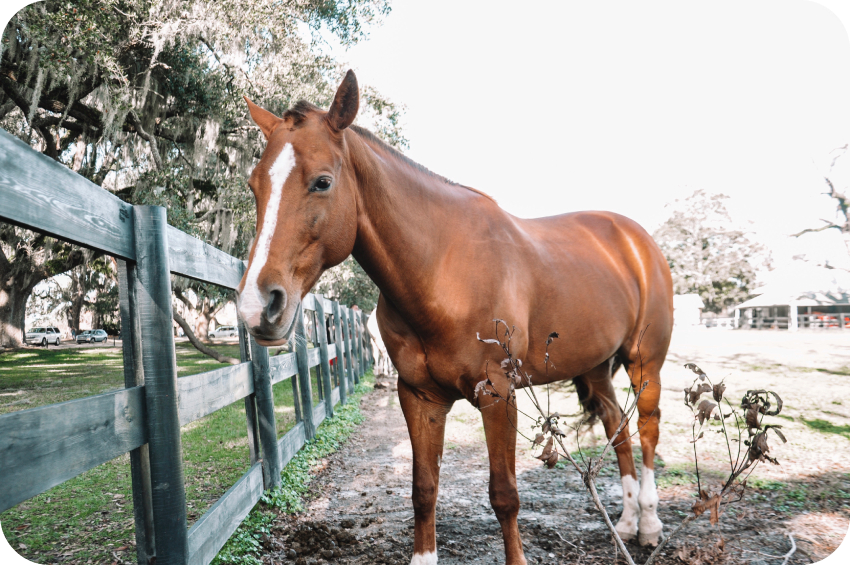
(306, 210)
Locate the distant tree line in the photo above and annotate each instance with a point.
(145, 100)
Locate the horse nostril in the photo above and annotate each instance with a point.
(276, 305)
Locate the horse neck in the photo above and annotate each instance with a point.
(406, 219)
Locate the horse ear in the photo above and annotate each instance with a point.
(263, 118)
(345, 104)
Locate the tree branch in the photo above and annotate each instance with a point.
(828, 226)
(200, 346)
(137, 124)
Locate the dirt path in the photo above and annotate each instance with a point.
(361, 511)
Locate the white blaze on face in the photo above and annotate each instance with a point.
(429, 558)
(251, 304)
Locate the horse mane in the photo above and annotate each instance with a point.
(298, 113)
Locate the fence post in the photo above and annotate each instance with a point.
(250, 400)
(346, 334)
(304, 384)
(322, 332)
(265, 413)
(339, 341)
(140, 471)
(353, 338)
(367, 344)
(360, 332)
(159, 360)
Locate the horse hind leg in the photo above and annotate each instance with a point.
(649, 417)
(597, 395)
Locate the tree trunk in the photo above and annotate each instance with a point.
(77, 293)
(13, 307)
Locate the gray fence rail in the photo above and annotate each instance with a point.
(43, 447)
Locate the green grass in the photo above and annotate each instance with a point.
(766, 484)
(676, 475)
(828, 427)
(97, 505)
(243, 547)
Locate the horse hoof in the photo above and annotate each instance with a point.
(649, 538)
(627, 528)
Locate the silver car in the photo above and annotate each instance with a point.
(224, 331)
(91, 336)
(43, 336)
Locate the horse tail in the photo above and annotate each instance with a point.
(593, 390)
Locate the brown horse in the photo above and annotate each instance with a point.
(448, 260)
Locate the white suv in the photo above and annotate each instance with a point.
(43, 336)
(224, 331)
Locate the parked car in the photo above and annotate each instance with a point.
(91, 336)
(224, 331)
(43, 336)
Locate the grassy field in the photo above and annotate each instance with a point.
(89, 519)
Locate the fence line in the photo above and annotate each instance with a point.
(46, 446)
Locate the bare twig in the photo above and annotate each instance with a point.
(688, 519)
(793, 549)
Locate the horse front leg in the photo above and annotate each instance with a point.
(426, 424)
(500, 419)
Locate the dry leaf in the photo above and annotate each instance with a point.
(553, 459)
(691, 396)
(704, 410)
(710, 503)
(538, 439)
(547, 450)
(752, 417)
(696, 370)
(718, 391)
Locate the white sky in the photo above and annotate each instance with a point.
(626, 106)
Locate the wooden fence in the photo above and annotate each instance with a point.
(43, 447)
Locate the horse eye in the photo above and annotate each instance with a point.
(321, 184)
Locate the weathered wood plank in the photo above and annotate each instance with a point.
(309, 302)
(322, 331)
(204, 393)
(134, 375)
(290, 443)
(43, 447)
(335, 396)
(339, 350)
(41, 194)
(210, 533)
(282, 367)
(265, 414)
(319, 413)
(191, 257)
(304, 385)
(331, 351)
(313, 357)
(153, 295)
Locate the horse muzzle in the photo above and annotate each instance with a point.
(269, 316)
